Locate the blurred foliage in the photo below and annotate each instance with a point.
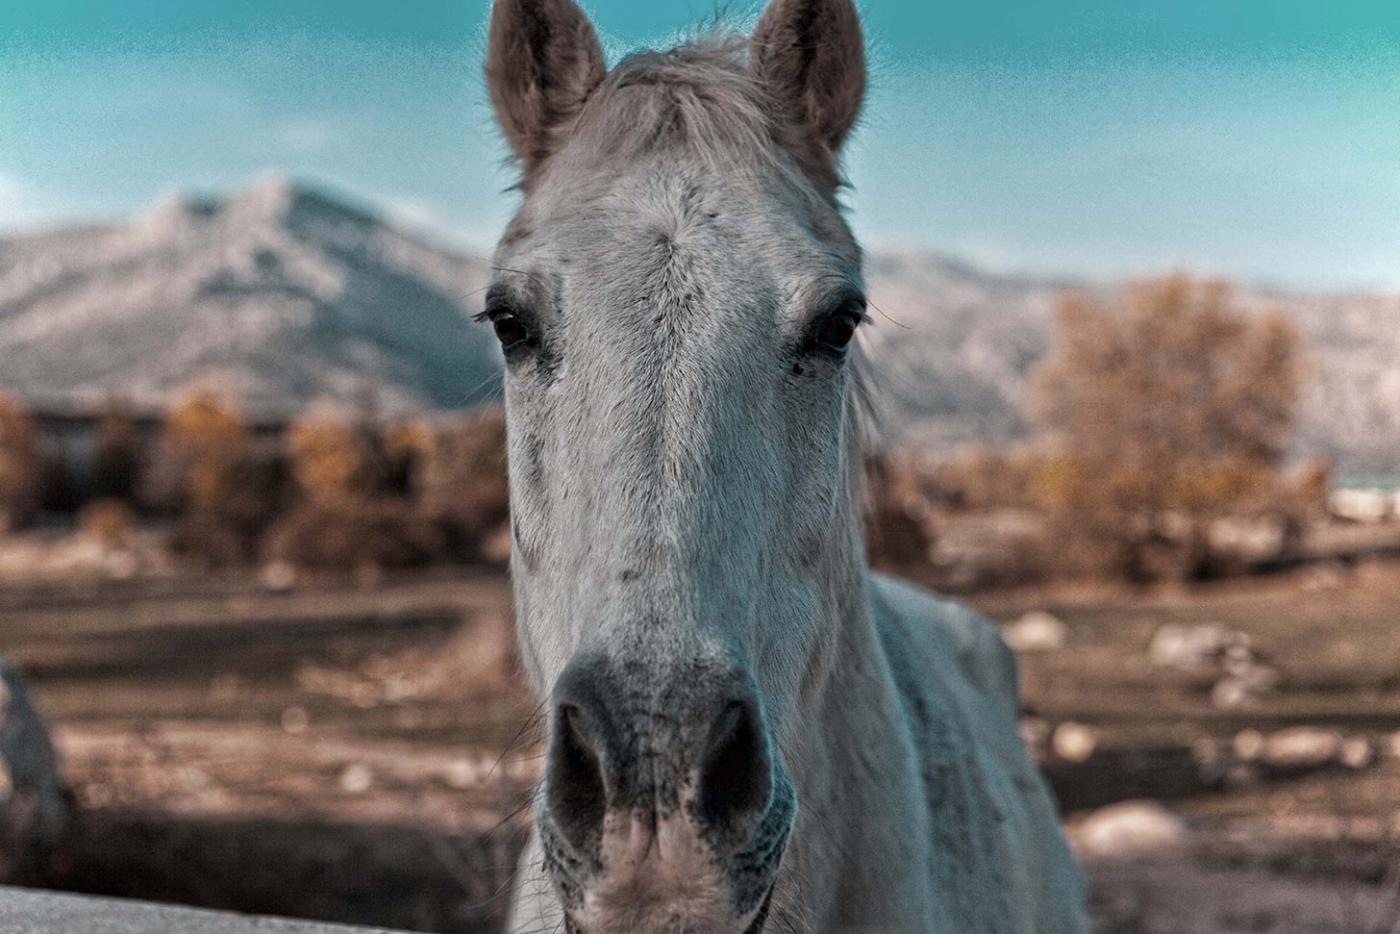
(336, 459)
(1162, 412)
(19, 464)
(460, 481)
(205, 438)
(227, 491)
(898, 530)
(110, 522)
(117, 457)
(356, 535)
(1163, 415)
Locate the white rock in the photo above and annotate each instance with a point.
(1129, 828)
(356, 779)
(1249, 745)
(278, 576)
(1036, 631)
(1075, 742)
(1357, 752)
(1189, 648)
(295, 720)
(465, 772)
(1365, 506)
(1301, 747)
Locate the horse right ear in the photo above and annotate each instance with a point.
(811, 56)
(542, 62)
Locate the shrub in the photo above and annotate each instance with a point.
(116, 458)
(19, 465)
(351, 535)
(898, 529)
(461, 485)
(336, 460)
(110, 522)
(225, 490)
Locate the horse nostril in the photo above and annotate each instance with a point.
(608, 751)
(574, 779)
(736, 775)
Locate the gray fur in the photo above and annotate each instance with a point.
(684, 488)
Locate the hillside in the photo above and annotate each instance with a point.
(278, 294)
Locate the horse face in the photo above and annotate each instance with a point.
(676, 302)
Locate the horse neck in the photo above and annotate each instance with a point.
(849, 635)
(847, 727)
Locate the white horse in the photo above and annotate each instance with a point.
(747, 728)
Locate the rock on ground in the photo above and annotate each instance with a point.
(1128, 829)
(35, 804)
(1036, 631)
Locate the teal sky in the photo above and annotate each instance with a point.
(1254, 138)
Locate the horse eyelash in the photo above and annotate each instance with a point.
(497, 309)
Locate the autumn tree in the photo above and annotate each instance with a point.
(335, 459)
(354, 512)
(898, 528)
(19, 464)
(225, 489)
(460, 480)
(1166, 409)
(205, 437)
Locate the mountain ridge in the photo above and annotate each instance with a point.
(284, 293)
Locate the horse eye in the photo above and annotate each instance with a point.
(510, 330)
(837, 331)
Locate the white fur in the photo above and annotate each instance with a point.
(684, 485)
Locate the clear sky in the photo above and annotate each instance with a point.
(1255, 138)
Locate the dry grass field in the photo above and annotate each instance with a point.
(363, 752)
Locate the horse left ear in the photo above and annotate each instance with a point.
(811, 56)
(543, 60)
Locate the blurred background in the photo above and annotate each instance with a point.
(1136, 272)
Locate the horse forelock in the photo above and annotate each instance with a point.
(702, 97)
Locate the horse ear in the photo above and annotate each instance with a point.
(543, 60)
(811, 56)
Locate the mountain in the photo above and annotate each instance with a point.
(283, 294)
(279, 294)
(1351, 414)
(950, 347)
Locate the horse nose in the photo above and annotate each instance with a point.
(695, 741)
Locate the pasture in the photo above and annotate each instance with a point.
(362, 753)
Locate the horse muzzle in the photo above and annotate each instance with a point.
(664, 807)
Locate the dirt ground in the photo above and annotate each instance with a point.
(365, 753)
